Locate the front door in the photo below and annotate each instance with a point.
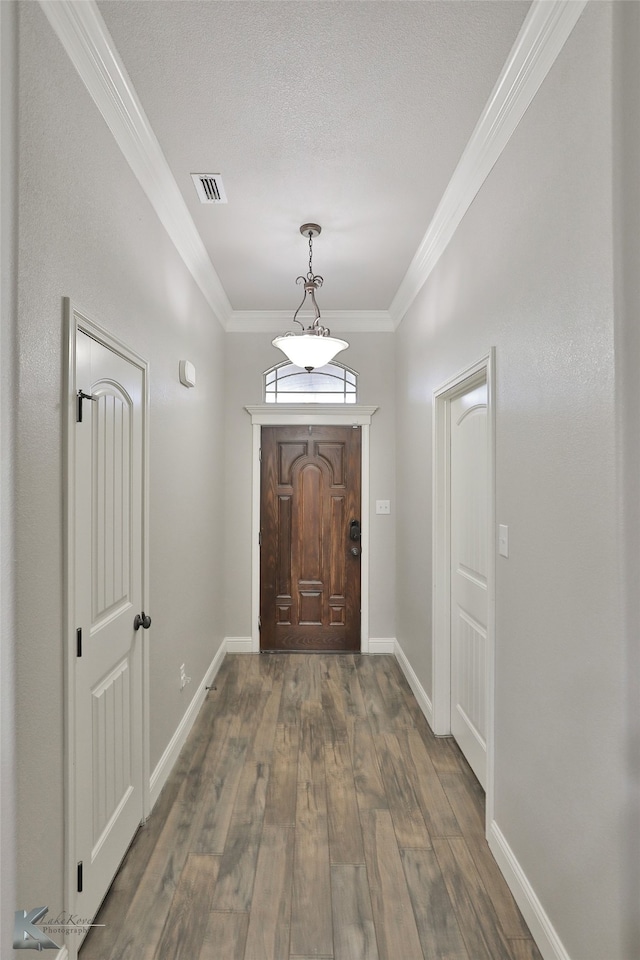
(310, 538)
(108, 664)
(469, 475)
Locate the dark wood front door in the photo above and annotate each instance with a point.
(309, 564)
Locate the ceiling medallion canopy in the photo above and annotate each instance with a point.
(314, 346)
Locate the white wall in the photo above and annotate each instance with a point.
(8, 239)
(530, 271)
(247, 357)
(87, 231)
(627, 346)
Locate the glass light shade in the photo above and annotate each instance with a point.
(308, 349)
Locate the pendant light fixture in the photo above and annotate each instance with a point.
(314, 346)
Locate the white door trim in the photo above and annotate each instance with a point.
(77, 320)
(269, 414)
(441, 638)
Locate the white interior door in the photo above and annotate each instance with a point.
(469, 479)
(109, 583)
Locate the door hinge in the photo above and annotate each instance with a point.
(260, 454)
(79, 876)
(82, 396)
(260, 538)
(259, 623)
(79, 642)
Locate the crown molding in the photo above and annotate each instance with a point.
(338, 321)
(541, 38)
(86, 40)
(90, 47)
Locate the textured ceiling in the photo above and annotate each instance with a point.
(351, 114)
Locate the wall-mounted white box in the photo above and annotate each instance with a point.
(383, 506)
(187, 373)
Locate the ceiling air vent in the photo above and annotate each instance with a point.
(209, 187)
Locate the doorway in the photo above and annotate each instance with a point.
(107, 593)
(310, 538)
(464, 565)
(294, 414)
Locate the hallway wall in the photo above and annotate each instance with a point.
(87, 231)
(247, 357)
(530, 271)
(8, 255)
(626, 185)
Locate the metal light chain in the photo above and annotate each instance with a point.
(310, 274)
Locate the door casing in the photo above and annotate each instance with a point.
(268, 414)
(77, 320)
(441, 636)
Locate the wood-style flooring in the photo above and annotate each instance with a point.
(312, 813)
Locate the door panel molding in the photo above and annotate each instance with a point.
(303, 414)
(77, 321)
(477, 372)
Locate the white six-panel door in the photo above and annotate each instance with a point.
(469, 478)
(108, 580)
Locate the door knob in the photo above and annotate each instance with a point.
(141, 620)
(355, 551)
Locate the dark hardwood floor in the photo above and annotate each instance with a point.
(312, 813)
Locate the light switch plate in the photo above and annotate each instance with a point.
(383, 506)
(503, 540)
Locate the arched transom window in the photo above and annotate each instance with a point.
(333, 383)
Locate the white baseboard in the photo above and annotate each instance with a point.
(238, 644)
(382, 644)
(412, 679)
(164, 767)
(542, 930)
